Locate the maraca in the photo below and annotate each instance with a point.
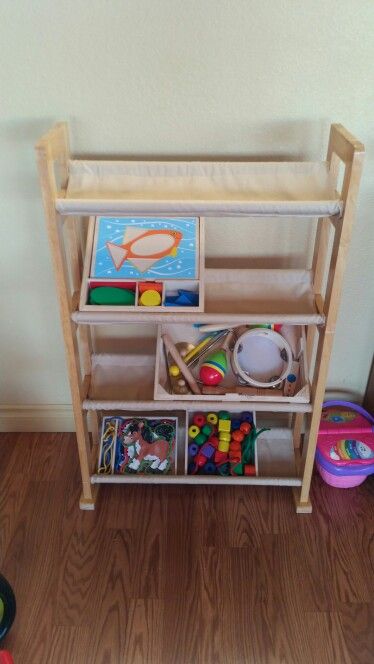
(214, 368)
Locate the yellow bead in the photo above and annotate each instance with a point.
(224, 425)
(193, 431)
(212, 418)
(223, 446)
(223, 435)
(174, 371)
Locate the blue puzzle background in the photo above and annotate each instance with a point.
(112, 229)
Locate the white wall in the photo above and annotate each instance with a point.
(170, 77)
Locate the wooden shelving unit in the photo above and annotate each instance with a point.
(74, 190)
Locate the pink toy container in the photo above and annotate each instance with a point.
(345, 446)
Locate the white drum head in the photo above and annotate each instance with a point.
(262, 357)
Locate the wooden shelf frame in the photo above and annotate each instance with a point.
(67, 244)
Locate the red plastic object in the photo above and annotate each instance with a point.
(210, 375)
(6, 657)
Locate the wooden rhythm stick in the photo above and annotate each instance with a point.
(241, 389)
(180, 364)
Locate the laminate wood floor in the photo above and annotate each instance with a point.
(180, 575)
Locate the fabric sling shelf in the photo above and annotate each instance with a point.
(77, 191)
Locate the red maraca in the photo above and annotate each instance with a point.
(214, 368)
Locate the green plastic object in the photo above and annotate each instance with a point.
(112, 296)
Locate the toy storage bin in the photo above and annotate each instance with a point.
(234, 412)
(169, 286)
(179, 332)
(275, 459)
(138, 444)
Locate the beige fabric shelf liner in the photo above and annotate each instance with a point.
(257, 296)
(248, 188)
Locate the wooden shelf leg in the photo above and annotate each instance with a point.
(296, 429)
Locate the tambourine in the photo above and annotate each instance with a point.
(262, 358)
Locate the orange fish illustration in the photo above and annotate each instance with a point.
(143, 247)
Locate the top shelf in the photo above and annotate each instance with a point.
(304, 189)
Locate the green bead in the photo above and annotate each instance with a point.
(200, 439)
(207, 429)
(223, 415)
(238, 469)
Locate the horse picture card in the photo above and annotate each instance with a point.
(145, 248)
(142, 445)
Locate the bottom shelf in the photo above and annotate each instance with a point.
(275, 456)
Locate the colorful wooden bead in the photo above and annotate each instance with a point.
(249, 469)
(193, 431)
(212, 418)
(224, 469)
(235, 424)
(225, 436)
(223, 415)
(200, 439)
(210, 468)
(200, 460)
(235, 446)
(207, 429)
(208, 450)
(245, 427)
(193, 449)
(199, 419)
(238, 469)
(220, 457)
(247, 417)
(223, 446)
(237, 435)
(213, 440)
(224, 425)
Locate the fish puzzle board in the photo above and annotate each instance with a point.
(145, 248)
(138, 254)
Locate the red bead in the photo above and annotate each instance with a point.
(237, 435)
(245, 427)
(249, 469)
(200, 460)
(235, 446)
(199, 419)
(213, 440)
(220, 457)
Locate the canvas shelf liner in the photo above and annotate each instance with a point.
(150, 187)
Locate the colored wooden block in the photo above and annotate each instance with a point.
(224, 425)
(223, 446)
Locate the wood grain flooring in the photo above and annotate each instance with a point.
(180, 575)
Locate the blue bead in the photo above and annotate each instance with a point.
(191, 468)
(210, 468)
(235, 424)
(193, 449)
(247, 417)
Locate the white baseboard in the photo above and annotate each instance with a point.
(49, 417)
